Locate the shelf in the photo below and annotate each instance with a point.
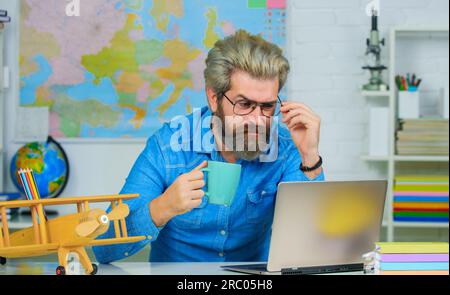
(375, 158)
(392, 160)
(366, 93)
(421, 224)
(399, 158)
(421, 29)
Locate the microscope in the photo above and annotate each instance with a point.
(373, 55)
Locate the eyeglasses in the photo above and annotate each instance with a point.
(244, 107)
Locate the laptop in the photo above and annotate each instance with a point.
(322, 227)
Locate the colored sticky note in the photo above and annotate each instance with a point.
(257, 3)
(276, 4)
(413, 266)
(412, 247)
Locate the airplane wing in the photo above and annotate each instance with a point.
(104, 242)
(65, 201)
(39, 250)
(117, 241)
(27, 251)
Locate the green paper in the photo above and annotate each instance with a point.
(420, 214)
(257, 4)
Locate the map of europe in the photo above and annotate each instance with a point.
(123, 67)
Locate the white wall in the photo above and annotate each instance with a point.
(327, 49)
(327, 44)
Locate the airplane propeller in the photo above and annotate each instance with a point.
(88, 227)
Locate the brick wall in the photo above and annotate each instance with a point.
(327, 46)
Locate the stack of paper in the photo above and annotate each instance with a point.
(4, 18)
(423, 137)
(411, 259)
(421, 198)
(9, 196)
(10, 213)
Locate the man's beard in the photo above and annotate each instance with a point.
(247, 141)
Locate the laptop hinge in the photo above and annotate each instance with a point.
(322, 269)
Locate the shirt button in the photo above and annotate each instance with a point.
(221, 254)
(126, 253)
(223, 232)
(149, 237)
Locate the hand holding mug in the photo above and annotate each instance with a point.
(183, 195)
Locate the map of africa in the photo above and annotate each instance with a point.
(123, 67)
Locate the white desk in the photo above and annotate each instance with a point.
(127, 268)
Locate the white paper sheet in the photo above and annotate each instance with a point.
(32, 124)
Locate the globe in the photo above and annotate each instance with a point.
(49, 163)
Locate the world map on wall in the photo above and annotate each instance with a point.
(123, 67)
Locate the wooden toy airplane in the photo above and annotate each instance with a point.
(65, 234)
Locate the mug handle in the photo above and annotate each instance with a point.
(206, 170)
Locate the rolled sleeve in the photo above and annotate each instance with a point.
(142, 224)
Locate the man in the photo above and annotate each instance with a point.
(244, 75)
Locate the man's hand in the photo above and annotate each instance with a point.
(183, 195)
(304, 126)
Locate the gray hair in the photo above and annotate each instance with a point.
(248, 53)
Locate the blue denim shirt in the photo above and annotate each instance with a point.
(212, 233)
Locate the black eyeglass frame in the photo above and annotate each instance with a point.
(255, 105)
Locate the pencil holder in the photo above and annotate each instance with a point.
(408, 105)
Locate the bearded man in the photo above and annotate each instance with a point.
(244, 76)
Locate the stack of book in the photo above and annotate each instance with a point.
(10, 213)
(411, 259)
(4, 18)
(427, 137)
(421, 198)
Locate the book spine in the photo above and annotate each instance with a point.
(413, 272)
(5, 19)
(420, 199)
(413, 266)
(421, 219)
(412, 257)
